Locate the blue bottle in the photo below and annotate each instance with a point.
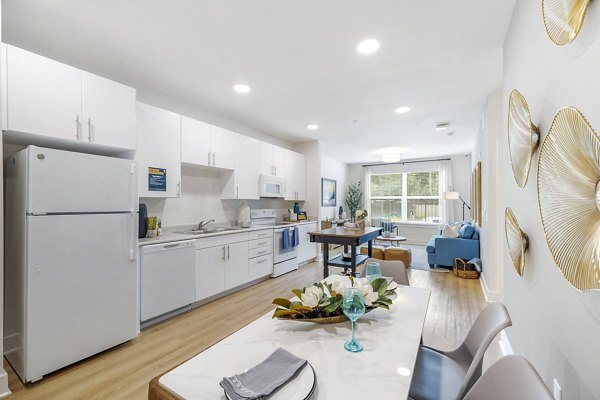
(296, 208)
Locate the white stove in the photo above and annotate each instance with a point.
(284, 260)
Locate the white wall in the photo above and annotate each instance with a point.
(201, 201)
(554, 325)
(312, 152)
(337, 170)
(488, 150)
(461, 182)
(4, 391)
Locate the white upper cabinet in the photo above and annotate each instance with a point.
(43, 96)
(246, 169)
(195, 142)
(295, 174)
(158, 151)
(272, 159)
(108, 110)
(206, 144)
(49, 98)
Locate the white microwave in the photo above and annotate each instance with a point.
(271, 186)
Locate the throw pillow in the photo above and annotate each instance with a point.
(450, 231)
(466, 231)
(475, 235)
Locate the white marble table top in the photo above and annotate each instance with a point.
(382, 370)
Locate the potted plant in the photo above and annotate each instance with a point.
(353, 198)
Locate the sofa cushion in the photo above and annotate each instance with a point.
(466, 231)
(451, 231)
(475, 235)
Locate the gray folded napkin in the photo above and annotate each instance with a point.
(261, 381)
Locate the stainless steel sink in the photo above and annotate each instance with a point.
(211, 230)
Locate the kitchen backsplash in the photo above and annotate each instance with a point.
(201, 200)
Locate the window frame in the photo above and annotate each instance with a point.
(404, 197)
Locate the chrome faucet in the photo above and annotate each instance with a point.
(202, 224)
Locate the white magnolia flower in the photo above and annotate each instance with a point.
(339, 287)
(311, 296)
(369, 295)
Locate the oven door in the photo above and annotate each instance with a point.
(279, 253)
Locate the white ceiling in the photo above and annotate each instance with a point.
(439, 57)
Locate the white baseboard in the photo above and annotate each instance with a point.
(487, 293)
(505, 346)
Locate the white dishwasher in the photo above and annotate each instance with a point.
(167, 278)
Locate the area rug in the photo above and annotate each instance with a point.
(419, 259)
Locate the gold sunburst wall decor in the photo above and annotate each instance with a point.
(563, 19)
(569, 198)
(517, 240)
(523, 137)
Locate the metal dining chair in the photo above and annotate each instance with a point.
(448, 375)
(395, 269)
(510, 378)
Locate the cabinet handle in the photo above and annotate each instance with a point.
(77, 124)
(276, 170)
(208, 163)
(178, 188)
(262, 261)
(213, 159)
(89, 123)
(237, 192)
(224, 253)
(228, 253)
(262, 252)
(262, 244)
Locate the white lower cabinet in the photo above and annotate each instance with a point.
(307, 250)
(210, 272)
(236, 265)
(261, 266)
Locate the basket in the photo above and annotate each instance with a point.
(322, 320)
(465, 270)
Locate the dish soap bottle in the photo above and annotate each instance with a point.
(296, 208)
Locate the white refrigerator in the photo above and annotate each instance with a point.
(71, 277)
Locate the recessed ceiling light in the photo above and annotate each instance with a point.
(312, 127)
(442, 127)
(390, 157)
(402, 109)
(451, 133)
(241, 88)
(368, 46)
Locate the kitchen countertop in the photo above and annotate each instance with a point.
(167, 237)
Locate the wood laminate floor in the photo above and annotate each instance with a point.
(124, 371)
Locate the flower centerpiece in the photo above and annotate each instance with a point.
(322, 302)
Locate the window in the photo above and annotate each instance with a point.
(406, 197)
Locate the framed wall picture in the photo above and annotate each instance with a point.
(476, 195)
(328, 192)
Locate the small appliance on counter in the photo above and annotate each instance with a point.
(243, 219)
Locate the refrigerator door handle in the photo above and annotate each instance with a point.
(132, 170)
(131, 235)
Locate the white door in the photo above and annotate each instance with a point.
(236, 270)
(210, 271)
(247, 168)
(195, 142)
(158, 151)
(64, 181)
(43, 96)
(82, 293)
(279, 161)
(167, 278)
(222, 142)
(108, 110)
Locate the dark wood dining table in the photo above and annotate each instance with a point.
(352, 237)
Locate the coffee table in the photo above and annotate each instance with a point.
(393, 240)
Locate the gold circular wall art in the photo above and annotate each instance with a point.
(523, 137)
(517, 240)
(563, 19)
(569, 198)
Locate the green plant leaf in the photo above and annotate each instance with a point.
(333, 305)
(285, 303)
(380, 286)
(281, 312)
(298, 293)
(300, 307)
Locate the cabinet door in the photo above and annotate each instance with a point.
(159, 146)
(195, 142)
(267, 166)
(307, 250)
(210, 272)
(246, 168)
(43, 96)
(279, 160)
(260, 266)
(108, 110)
(236, 269)
(222, 143)
(295, 175)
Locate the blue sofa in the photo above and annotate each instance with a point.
(443, 250)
